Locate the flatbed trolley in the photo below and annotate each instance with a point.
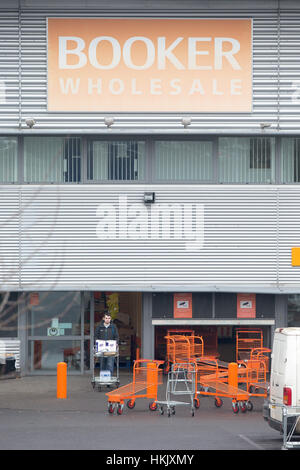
(146, 378)
(97, 383)
(215, 382)
(181, 382)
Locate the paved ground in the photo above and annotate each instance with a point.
(31, 417)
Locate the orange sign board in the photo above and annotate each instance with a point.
(246, 306)
(149, 65)
(34, 298)
(183, 306)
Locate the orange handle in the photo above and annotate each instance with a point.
(61, 380)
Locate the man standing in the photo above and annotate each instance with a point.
(107, 331)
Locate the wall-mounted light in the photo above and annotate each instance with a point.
(186, 121)
(30, 122)
(265, 125)
(149, 198)
(109, 121)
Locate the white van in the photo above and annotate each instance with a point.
(284, 376)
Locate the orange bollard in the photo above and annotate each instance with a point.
(152, 373)
(233, 374)
(61, 380)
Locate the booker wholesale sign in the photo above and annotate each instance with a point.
(150, 65)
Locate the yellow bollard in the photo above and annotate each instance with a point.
(233, 374)
(61, 380)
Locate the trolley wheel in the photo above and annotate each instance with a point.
(218, 402)
(131, 404)
(111, 409)
(243, 407)
(235, 407)
(169, 413)
(250, 389)
(153, 406)
(193, 412)
(173, 410)
(196, 403)
(249, 405)
(162, 410)
(120, 409)
(93, 385)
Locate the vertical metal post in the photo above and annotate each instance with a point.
(147, 345)
(92, 328)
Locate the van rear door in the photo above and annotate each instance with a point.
(277, 378)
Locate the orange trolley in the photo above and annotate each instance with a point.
(222, 383)
(178, 350)
(246, 341)
(146, 378)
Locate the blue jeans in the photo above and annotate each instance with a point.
(107, 363)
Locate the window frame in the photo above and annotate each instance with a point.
(150, 158)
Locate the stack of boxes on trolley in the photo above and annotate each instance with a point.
(191, 372)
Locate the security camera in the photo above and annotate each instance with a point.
(186, 122)
(108, 121)
(30, 122)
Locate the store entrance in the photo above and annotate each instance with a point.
(219, 341)
(61, 328)
(126, 312)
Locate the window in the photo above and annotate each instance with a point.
(294, 310)
(52, 160)
(8, 159)
(246, 160)
(9, 315)
(290, 160)
(183, 161)
(116, 160)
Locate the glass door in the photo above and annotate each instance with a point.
(58, 331)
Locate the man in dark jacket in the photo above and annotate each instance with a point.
(107, 331)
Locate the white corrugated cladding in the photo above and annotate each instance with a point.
(10, 347)
(290, 71)
(53, 244)
(289, 236)
(9, 70)
(244, 232)
(9, 238)
(269, 69)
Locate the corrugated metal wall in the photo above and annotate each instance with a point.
(276, 44)
(62, 242)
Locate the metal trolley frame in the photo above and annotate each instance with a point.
(96, 379)
(181, 381)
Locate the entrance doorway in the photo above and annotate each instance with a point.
(61, 328)
(126, 312)
(219, 341)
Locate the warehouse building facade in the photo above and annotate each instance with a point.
(149, 165)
